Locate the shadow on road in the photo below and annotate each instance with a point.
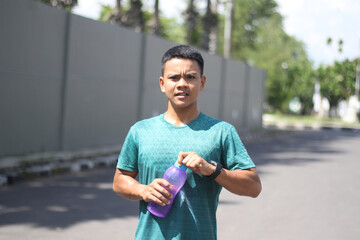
(64, 200)
(301, 147)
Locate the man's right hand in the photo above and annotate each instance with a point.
(156, 192)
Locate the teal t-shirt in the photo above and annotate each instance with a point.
(153, 145)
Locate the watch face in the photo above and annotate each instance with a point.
(216, 164)
(213, 163)
(217, 170)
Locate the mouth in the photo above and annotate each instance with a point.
(181, 94)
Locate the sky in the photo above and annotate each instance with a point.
(314, 21)
(310, 21)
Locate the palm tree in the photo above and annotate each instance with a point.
(154, 25)
(134, 18)
(210, 22)
(191, 18)
(117, 14)
(63, 4)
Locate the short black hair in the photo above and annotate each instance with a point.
(183, 51)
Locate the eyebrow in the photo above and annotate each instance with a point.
(186, 74)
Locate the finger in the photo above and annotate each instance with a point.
(193, 161)
(187, 156)
(161, 181)
(181, 157)
(188, 161)
(159, 198)
(165, 191)
(162, 186)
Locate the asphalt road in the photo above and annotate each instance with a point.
(311, 183)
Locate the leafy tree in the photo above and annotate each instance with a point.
(302, 83)
(63, 4)
(191, 21)
(247, 18)
(347, 75)
(167, 28)
(289, 73)
(172, 30)
(329, 87)
(210, 22)
(113, 15)
(258, 38)
(340, 44)
(107, 14)
(134, 17)
(337, 81)
(154, 25)
(129, 16)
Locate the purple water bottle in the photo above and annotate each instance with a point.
(176, 176)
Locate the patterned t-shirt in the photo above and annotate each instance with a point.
(153, 145)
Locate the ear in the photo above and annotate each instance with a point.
(161, 83)
(203, 81)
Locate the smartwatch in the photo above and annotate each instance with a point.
(217, 170)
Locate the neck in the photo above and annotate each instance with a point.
(181, 117)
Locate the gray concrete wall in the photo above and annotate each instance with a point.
(153, 100)
(31, 60)
(102, 83)
(255, 98)
(69, 83)
(233, 111)
(209, 99)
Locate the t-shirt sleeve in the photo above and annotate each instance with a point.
(236, 157)
(128, 157)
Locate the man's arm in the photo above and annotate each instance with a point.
(127, 186)
(241, 182)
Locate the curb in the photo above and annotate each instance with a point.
(17, 169)
(315, 126)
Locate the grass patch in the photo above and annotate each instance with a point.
(294, 119)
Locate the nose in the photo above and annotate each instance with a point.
(182, 82)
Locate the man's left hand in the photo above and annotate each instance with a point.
(195, 163)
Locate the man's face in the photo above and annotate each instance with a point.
(182, 82)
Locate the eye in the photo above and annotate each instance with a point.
(173, 77)
(190, 77)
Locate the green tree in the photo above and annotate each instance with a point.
(155, 25)
(107, 14)
(134, 17)
(337, 81)
(168, 28)
(63, 4)
(258, 38)
(302, 83)
(347, 75)
(113, 15)
(210, 23)
(248, 16)
(328, 85)
(289, 72)
(340, 44)
(172, 30)
(191, 23)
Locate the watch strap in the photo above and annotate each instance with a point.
(217, 170)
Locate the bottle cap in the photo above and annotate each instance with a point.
(181, 167)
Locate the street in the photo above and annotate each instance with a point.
(310, 191)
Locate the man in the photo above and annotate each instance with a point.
(211, 150)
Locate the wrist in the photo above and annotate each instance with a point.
(218, 167)
(141, 192)
(211, 168)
